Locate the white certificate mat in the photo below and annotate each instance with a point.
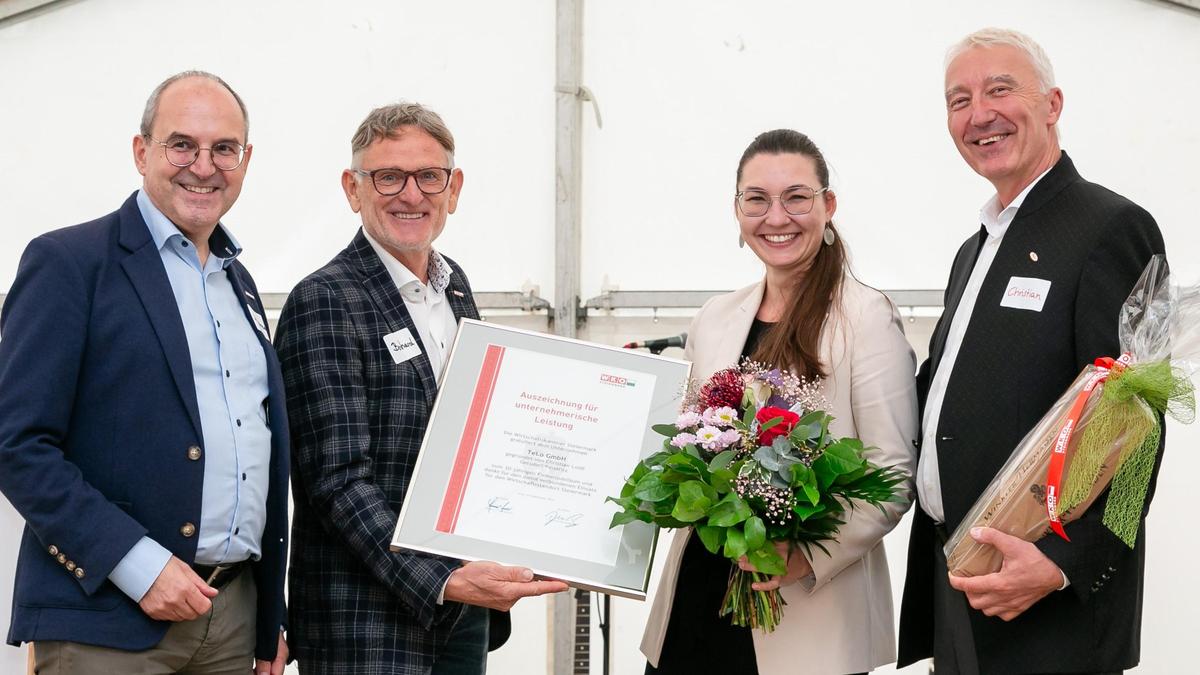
(529, 435)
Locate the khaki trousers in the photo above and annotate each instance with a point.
(218, 643)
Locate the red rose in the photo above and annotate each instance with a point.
(766, 436)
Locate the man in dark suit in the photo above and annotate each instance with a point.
(362, 342)
(143, 428)
(1032, 298)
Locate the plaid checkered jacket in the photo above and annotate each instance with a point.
(357, 419)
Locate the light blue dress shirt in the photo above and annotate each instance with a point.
(230, 372)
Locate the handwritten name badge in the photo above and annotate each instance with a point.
(401, 345)
(1026, 293)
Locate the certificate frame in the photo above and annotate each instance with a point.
(450, 457)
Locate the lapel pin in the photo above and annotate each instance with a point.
(458, 294)
(1033, 256)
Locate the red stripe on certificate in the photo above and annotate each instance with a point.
(468, 444)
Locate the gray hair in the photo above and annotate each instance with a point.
(151, 110)
(996, 37)
(385, 121)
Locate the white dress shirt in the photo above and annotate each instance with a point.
(996, 222)
(426, 303)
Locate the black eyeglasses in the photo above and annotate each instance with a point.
(431, 180)
(183, 152)
(796, 201)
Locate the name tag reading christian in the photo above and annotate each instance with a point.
(531, 459)
(1026, 293)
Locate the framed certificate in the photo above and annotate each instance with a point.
(530, 433)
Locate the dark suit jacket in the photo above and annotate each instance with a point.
(1092, 245)
(358, 419)
(97, 413)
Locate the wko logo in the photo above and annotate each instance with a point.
(616, 380)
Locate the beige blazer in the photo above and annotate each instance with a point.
(840, 620)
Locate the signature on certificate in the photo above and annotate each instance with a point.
(563, 518)
(499, 505)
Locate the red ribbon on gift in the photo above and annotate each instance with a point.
(1105, 366)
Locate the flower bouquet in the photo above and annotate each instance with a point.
(1102, 433)
(748, 463)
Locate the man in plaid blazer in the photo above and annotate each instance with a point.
(359, 397)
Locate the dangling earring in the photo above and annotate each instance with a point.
(830, 236)
(741, 242)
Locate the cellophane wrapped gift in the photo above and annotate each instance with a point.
(1102, 433)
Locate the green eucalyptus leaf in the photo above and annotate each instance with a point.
(722, 460)
(773, 422)
(669, 430)
(767, 456)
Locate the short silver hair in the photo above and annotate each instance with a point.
(386, 121)
(151, 110)
(997, 37)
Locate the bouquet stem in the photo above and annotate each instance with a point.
(748, 607)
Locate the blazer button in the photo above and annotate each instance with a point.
(62, 558)
(70, 565)
(78, 572)
(187, 530)
(194, 453)
(53, 549)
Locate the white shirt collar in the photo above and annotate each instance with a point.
(995, 220)
(409, 285)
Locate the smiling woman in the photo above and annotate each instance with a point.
(810, 317)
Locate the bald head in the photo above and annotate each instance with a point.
(150, 114)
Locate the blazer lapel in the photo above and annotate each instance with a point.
(252, 309)
(387, 299)
(733, 339)
(964, 264)
(462, 303)
(146, 273)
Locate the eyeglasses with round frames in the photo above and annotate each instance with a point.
(183, 152)
(431, 180)
(795, 201)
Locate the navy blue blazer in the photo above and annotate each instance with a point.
(97, 415)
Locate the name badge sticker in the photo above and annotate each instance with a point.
(259, 323)
(401, 345)
(1026, 293)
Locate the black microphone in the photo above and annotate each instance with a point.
(658, 344)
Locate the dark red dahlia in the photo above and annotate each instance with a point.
(724, 388)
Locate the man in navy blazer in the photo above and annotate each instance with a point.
(143, 430)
